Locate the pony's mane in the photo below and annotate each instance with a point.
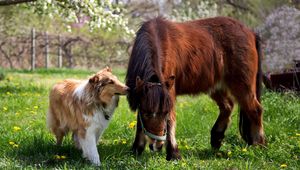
(144, 62)
(157, 99)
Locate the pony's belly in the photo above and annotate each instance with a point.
(197, 88)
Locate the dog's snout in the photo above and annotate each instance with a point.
(127, 89)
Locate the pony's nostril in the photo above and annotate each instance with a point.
(151, 147)
(160, 147)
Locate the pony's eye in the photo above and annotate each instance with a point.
(110, 82)
(148, 116)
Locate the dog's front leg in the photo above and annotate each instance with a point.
(140, 141)
(89, 147)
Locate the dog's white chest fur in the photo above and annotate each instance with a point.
(101, 118)
(97, 124)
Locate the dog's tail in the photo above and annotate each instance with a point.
(49, 119)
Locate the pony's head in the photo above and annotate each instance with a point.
(155, 104)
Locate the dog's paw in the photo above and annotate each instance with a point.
(95, 160)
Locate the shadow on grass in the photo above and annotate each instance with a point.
(208, 153)
(40, 152)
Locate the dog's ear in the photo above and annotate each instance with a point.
(108, 69)
(170, 82)
(94, 79)
(138, 83)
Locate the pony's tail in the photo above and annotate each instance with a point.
(259, 69)
(244, 121)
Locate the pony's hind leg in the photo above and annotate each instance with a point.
(225, 104)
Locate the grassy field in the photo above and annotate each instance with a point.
(26, 143)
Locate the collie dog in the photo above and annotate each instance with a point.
(84, 108)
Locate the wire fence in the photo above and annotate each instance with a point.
(42, 50)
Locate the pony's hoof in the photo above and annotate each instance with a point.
(137, 150)
(173, 156)
(216, 144)
(259, 141)
(216, 139)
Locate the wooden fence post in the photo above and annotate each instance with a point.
(32, 49)
(59, 52)
(46, 50)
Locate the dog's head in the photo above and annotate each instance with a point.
(106, 85)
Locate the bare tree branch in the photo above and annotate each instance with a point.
(13, 2)
(236, 5)
(6, 55)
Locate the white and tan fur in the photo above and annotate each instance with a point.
(85, 109)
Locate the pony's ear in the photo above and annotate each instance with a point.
(108, 69)
(94, 79)
(138, 83)
(170, 82)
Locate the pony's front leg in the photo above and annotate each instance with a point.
(140, 141)
(172, 147)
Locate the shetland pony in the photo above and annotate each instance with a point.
(84, 108)
(217, 56)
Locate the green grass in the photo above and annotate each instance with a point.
(24, 102)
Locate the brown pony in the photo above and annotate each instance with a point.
(218, 56)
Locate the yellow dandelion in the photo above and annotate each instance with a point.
(297, 134)
(132, 124)
(229, 153)
(63, 157)
(56, 157)
(11, 142)
(35, 107)
(8, 93)
(124, 141)
(15, 145)
(116, 141)
(16, 128)
(183, 164)
(5, 108)
(244, 150)
(17, 113)
(283, 166)
(187, 147)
